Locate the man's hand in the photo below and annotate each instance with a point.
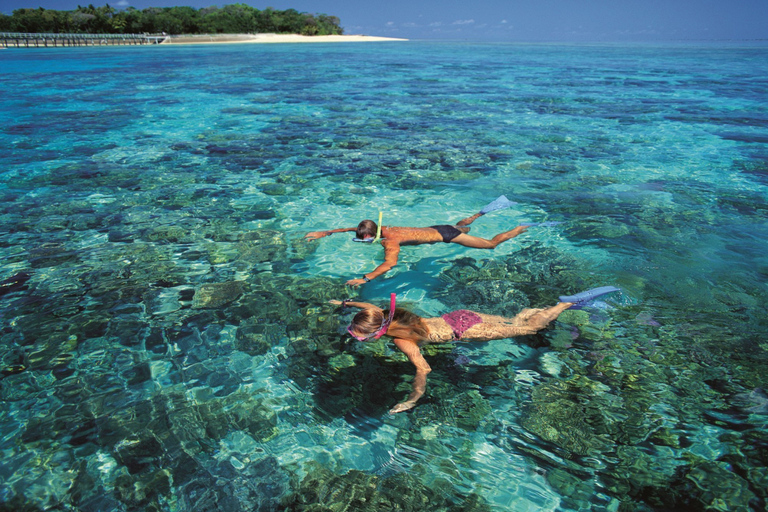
(520, 230)
(315, 235)
(402, 406)
(355, 282)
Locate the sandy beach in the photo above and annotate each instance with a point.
(272, 38)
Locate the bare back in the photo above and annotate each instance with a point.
(410, 236)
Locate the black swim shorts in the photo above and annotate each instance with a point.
(447, 232)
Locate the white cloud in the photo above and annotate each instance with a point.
(123, 3)
(463, 22)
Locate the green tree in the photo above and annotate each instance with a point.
(265, 21)
(81, 21)
(232, 18)
(6, 23)
(329, 25)
(133, 20)
(187, 18)
(310, 27)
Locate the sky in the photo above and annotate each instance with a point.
(506, 20)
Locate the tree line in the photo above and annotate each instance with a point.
(230, 19)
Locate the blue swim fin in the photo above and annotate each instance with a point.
(499, 203)
(581, 299)
(548, 224)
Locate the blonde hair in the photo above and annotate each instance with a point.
(404, 323)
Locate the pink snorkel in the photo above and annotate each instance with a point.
(385, 325)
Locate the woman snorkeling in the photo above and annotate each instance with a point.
(409, 330)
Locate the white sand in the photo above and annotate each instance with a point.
(271, 38)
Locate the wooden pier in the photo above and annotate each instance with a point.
(31, 40)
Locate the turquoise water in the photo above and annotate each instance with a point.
(167, 342)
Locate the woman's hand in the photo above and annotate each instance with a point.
(335, 302)
(402, 406)
(355, 282)
(315, 235)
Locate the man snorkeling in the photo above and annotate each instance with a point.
(393, 237)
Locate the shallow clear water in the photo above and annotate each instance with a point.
(166, 338)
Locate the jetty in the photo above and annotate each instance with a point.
(40, 40)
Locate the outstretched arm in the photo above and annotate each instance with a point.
(321, 234)
(411, 350)
(391, 252)
(469, 220)
(354, 304)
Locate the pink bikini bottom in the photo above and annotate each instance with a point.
(461, 320)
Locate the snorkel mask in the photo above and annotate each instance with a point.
(385, 323)
(370, 239)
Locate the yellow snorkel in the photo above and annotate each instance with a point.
(378, 229)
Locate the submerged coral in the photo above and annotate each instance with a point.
(167, 342)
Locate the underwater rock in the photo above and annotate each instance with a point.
(144, 491)
(646, 318)
(362, 383)
(221, 230)
(48, 351)
(343, 200)
(758, 477)
(215, 295)
(253, 487)
(302, 248)
(117, 235)
(263, 214)
(341, 361)
(647, 473)
(471, 410)
(558, 416)
(15, 283)
(321, 490)
(137, 453)
(50, 254)
(260, 247)
(599, 227)
(237, 411)
(167, 234)
(505, 287)
(164, 301)
(221, 252)
(84, 221)
(274, 189)
(577, 494)
(128, 329)
(353, 144)
(480, 287)
(713, 486)
(256, 340)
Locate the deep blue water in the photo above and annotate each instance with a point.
(167, 342)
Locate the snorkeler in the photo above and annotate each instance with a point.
(410, 330)
(393, 237)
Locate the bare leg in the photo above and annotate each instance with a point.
(481, 243)
(529, 321)
(469, 220)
